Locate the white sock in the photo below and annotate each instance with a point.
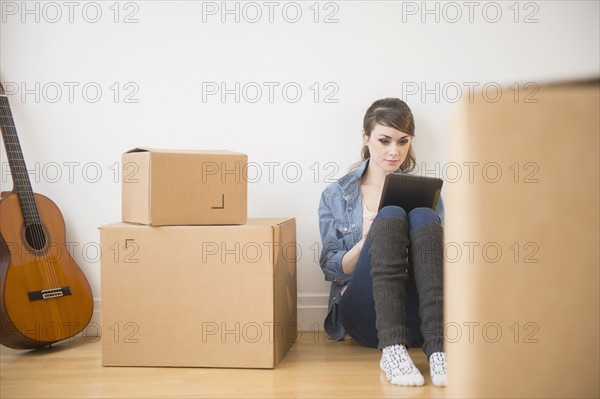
(399, 367)
(437, 366)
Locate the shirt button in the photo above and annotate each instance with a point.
(353, 225)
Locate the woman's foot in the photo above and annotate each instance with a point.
(437, 366)
(399, 367)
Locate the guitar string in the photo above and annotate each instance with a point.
(38, 227)
(30, 203)
(6, 117)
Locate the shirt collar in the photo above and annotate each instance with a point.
(350, 182)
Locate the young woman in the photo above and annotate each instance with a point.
(369, 256)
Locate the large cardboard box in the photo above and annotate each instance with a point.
(522, 233)
(198, 296)
(180, 187)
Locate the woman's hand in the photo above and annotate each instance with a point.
(350, 258)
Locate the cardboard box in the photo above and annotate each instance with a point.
(521, 271)
(198, 296)
(175, 187)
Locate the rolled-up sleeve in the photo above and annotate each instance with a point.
(333, 249)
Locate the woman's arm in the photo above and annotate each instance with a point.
(334, 249)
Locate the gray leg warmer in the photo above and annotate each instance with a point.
(389, 270)
(427, 261)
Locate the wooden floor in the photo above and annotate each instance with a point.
(314, 367)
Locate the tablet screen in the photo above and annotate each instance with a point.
(410, 191)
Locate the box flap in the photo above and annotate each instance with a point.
(251, 223)
(268, 221)
(182, 151)
(589, 81)
(137, 149)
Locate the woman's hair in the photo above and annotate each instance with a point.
(394, 113)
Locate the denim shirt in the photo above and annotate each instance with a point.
(340, 225)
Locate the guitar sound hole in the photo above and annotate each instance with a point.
(35, 236)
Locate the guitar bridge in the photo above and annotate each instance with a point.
(49, 293)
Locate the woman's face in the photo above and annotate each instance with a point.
(388, 147)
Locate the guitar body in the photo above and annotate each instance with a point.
(44, 295)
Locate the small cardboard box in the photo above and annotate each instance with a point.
(521, 274)
(177, 187)
(198, 296)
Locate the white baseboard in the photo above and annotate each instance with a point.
(96, 314)
(312, 309)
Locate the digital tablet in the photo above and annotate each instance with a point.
(410, 191)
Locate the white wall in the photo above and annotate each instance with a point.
(55, 55)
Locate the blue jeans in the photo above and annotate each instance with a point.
(357, 307)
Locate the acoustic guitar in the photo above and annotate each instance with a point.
(44, 295)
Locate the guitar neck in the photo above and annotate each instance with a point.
(17, 165)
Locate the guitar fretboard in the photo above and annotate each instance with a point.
(17, 165)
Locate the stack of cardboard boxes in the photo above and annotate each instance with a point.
(187, 280)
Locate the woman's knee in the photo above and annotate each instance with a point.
(420, 216)
(394, 211)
